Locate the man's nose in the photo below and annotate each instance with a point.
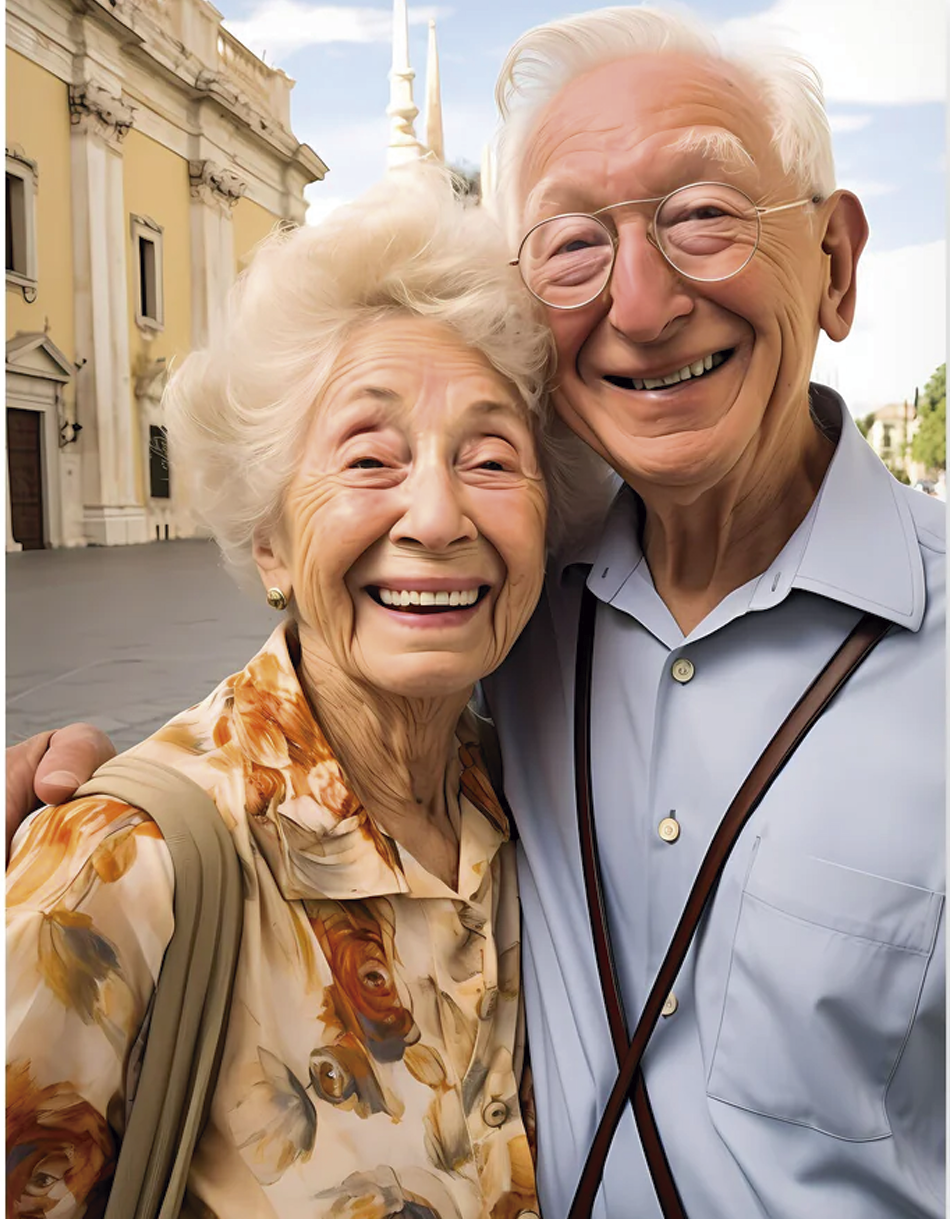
(646, 293)
(435, 515)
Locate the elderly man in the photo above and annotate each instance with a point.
(674, 209)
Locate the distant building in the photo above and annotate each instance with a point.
(404, 146)
(890, 433)
(147, 153)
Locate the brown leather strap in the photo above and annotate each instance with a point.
(629, 1083)
(660, 1171)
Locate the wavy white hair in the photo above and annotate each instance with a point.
(237, 411)
(547, 58)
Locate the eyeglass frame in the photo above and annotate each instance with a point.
(652, 238)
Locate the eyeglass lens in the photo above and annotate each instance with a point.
(707, 231)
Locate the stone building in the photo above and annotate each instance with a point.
(147, 153)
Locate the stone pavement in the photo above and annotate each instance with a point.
(123, 637)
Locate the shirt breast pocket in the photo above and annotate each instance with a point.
(826, 971)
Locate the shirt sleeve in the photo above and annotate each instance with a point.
(90, 893)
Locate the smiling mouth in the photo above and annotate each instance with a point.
(427, 601)
(689, 372)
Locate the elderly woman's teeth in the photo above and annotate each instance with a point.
(406, 597)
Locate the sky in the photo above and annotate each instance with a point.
(883, 63)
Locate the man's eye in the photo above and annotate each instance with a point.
(366, 463)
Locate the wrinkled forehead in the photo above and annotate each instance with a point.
(643, 125)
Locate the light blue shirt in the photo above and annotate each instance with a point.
(802, 1074)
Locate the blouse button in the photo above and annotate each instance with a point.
(683, 670)
(527, 1215)
(669, 829)
(495, 1113)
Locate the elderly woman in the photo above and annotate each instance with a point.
(365, 435)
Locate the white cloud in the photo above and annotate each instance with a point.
(899, 335)
(321, 205)
(280, 26)
(865, 188)
(880, 52)
(843, 123)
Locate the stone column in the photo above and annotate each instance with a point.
(100, 121)
(214, 192)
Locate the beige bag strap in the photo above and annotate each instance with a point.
(193, 994)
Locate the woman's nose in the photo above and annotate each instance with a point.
(435, 516)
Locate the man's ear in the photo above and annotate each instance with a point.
(846, 232)
(271, 566)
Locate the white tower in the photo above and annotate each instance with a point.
(402, 110)
(434, 140)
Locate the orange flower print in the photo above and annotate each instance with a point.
(364, 989)
(58, 1148)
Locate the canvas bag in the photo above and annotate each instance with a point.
(190, 1007)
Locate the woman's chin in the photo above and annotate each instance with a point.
(426, 677)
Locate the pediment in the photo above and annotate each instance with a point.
(34, 354)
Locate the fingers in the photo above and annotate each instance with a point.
(72, 756)
(21, 763)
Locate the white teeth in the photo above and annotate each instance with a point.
(696, 369)
(404, 597)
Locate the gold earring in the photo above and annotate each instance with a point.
(276, 599)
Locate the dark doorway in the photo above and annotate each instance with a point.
(24, 456)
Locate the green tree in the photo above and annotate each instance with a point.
(864, 425)
(930, 439)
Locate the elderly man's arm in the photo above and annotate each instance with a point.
(47, 769)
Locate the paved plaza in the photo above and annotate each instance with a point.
(124, 636)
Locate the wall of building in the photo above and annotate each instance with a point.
(38, 126)
(252, 223)
(156, 185)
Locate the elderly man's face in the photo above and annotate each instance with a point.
(638, 129)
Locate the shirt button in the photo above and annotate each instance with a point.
(495, 1113)
(683, 670)
(670, 1006)
(527, 1215)
(669, 829)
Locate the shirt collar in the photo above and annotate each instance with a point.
(857, 544)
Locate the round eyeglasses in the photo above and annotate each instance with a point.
(707, 231)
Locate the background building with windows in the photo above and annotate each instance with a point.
(147, 153)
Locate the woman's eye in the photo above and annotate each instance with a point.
(491, 465)
(366, 463)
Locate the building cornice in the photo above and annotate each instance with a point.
(143, 39)
(213, 183)
(92, 106)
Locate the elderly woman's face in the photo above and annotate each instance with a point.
(413, 533)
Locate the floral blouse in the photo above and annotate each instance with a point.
(373, 1049)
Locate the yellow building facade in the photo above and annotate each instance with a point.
(147, 153)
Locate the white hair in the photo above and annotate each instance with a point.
(547, 58)
(238, 411)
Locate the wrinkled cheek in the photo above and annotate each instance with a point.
(323, 601)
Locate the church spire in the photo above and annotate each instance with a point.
(402, 110)
(434, 140)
